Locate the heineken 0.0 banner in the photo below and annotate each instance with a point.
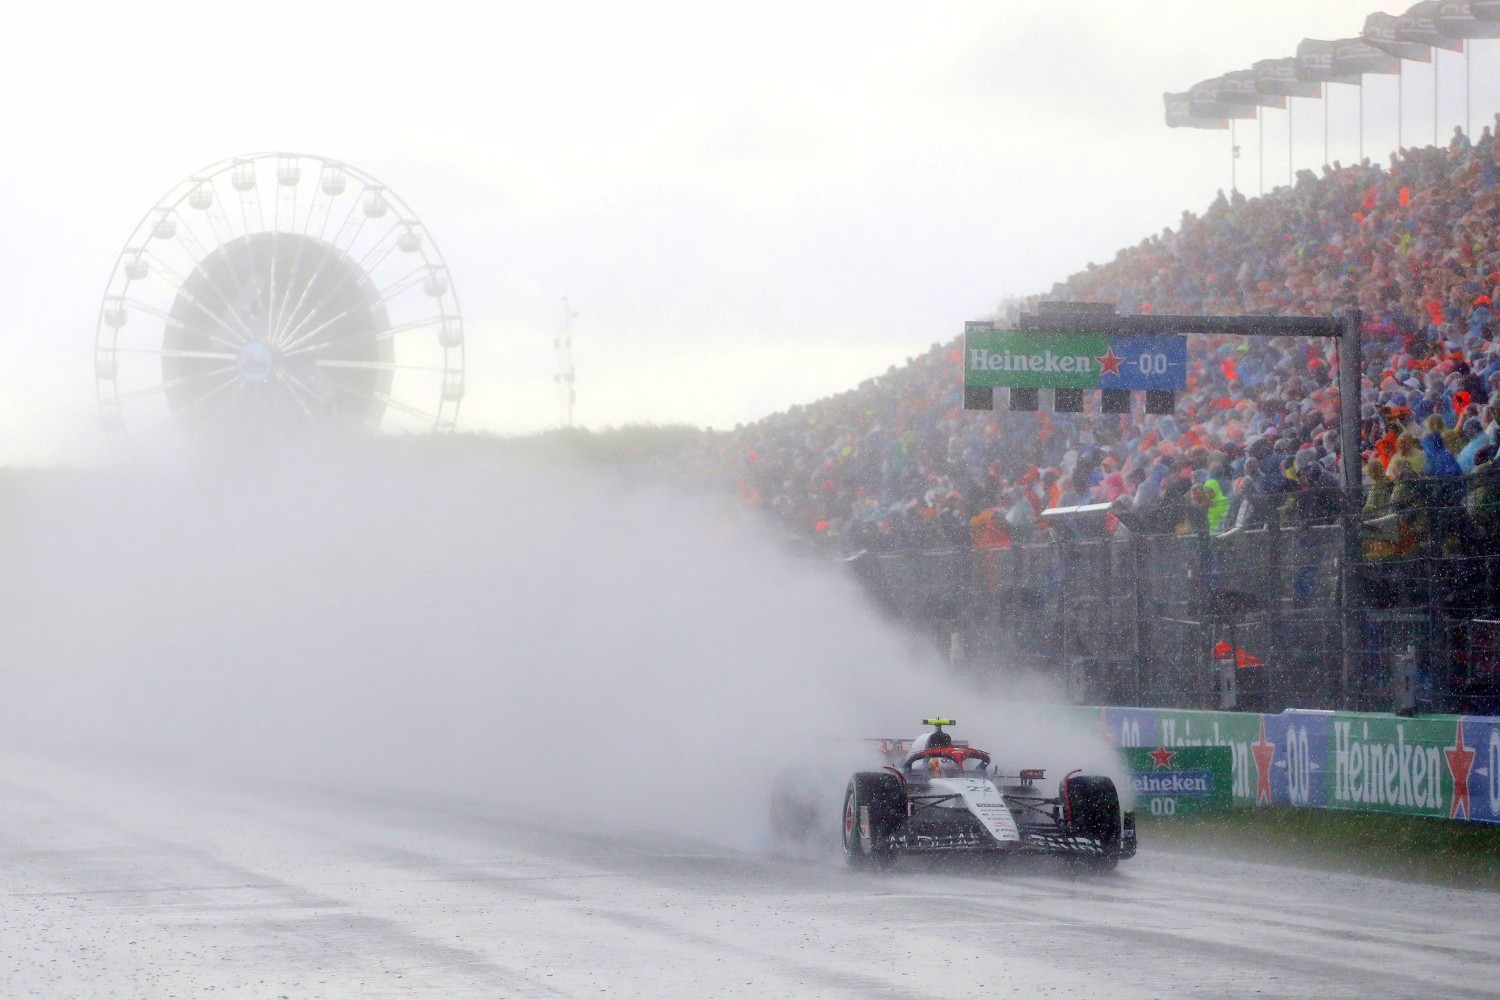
(1424, 766)
(1275, 759)
(1018, 360)
(1180, 781)
(1446, 767)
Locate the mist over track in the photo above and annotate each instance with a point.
(444, 618)
(363, 722)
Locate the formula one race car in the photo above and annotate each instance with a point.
(937, 794)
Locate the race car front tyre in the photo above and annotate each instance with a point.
(1094, 816)
(874, 808)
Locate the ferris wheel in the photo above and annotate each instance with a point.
(270, 291)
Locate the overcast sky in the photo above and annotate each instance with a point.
(748, 205)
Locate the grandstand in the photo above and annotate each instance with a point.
(897, 466)
(895, 462)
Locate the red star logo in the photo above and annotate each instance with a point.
(1265, 754)
(1109, 364)
(1460, 760)
(1162, 758)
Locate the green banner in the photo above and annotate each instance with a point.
(1396, 765)
(1442, 766)
(1020, 360)
(1011, 359)
(1180, 781)
(1240, 733)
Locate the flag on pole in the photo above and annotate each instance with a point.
(1180, 114)
(1356, 57)
(1382, 31)
(1239, 90)
(1279, 76)
(1419, 25)
(1242, 658)
(1315, 63)
(1205, 101)
(1457, 20)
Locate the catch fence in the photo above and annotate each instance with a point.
(1282, 615)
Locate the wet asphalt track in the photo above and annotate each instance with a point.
(129, 886)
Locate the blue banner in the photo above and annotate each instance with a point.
(1481, 735)
(1146, 361)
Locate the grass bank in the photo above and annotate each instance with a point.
(1411, 849)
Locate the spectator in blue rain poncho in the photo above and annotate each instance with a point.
(1439, 461)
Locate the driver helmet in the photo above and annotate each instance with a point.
(941, 766)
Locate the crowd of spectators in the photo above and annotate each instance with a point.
(897, 463)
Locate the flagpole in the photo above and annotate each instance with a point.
(1291, 102)
(1436, 76)
(1260, 148)
(1234, 154)
(1400, 104)
(1468, 122)
(1326, 94)
(1361, 119)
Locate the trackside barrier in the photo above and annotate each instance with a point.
(1441, 766)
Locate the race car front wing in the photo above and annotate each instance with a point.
(933, 827)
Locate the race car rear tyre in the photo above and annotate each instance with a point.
(882, 797)
(1094, 815)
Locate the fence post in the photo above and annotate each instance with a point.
(1351, 458)
(1142, 630)
(1430, 563)
(1205, 569)
(1273, 557)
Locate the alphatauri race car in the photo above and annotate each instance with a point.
(937, 795)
